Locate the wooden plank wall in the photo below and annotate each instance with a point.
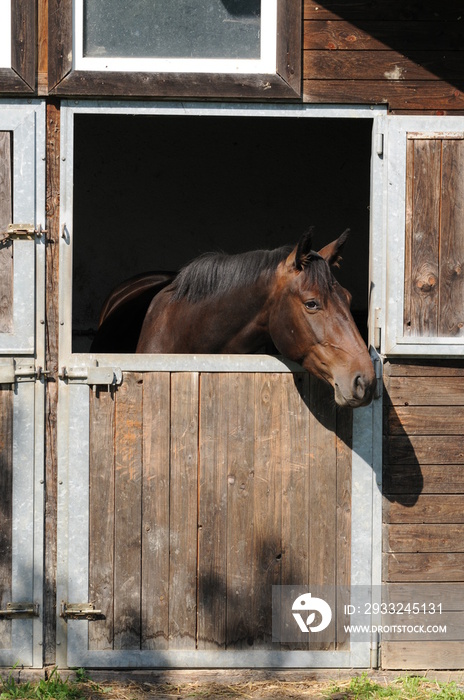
(205, 490)
(407, 54)
(434, 243)
(424, 506)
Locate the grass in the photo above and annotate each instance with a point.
(81, 687)
(406, 688)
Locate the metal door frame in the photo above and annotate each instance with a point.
(73, 425)
(19, 353)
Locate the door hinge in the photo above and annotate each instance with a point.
(23, 232)
(80, 611)
(19, 610)
(94, 376)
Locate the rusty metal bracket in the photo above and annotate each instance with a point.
(19, 610)
(80, 611)
(24, 232)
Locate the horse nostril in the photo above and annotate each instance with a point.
(359, 386)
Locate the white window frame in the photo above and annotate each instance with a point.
(5, 33)
(395, 342)
(266, 64)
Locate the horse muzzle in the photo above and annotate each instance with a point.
(356, 391)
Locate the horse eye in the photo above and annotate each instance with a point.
(311, 305)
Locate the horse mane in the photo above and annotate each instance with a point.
(217, 274)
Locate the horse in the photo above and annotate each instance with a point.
(287, 297)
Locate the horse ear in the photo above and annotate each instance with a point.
(332, 252)
(303, 249)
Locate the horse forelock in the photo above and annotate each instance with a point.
(217, 274)
(318, 274)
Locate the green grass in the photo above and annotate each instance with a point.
(52, 688)
(407, 688)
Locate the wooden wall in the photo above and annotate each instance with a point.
(424, 506)
(408, 54)
(205, 490)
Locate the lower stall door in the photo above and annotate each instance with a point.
(188, 499)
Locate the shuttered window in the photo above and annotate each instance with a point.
(426, 240)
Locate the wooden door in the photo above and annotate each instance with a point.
(203, 490)
(21, 416)
(425, 236)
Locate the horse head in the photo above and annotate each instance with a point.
(311, 322)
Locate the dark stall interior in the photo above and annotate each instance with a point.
(153, 192)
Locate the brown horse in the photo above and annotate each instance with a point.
(242, 303)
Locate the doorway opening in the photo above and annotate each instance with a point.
(153, 192)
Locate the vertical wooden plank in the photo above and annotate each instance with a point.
(344, 441)
(52, 250)
(295, 479)
(240, 510)
(155, 510)
(296, 513)
(212, 518)
(409, 223)
(323, 496)
(101, 515)
(6, 247)
(183, 509)
(425, 234)
(128, 492)
(451, 306)
(6, 500)
(267, 494)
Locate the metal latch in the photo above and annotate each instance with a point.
(12, 371)
(19, 610)
(94, 376)
(22, 231)
(80, 611)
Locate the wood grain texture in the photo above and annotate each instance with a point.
(101, 515)
(127, 526)
(407, 95)
(6, 247)
(183, 510)
(423, 508)
(213, 512)
(423, 655)
(267, 494)
(422, 265)
(20, 77)
(397, 10)
(427, 508)
(424, 566)
(241, 482)
(377, 35)
(155, 510)
(451, 273)
(444, 537)
(51, 387)
(323, 494)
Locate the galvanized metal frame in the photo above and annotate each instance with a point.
(73, 436)
(27, 122)
(394, 341)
